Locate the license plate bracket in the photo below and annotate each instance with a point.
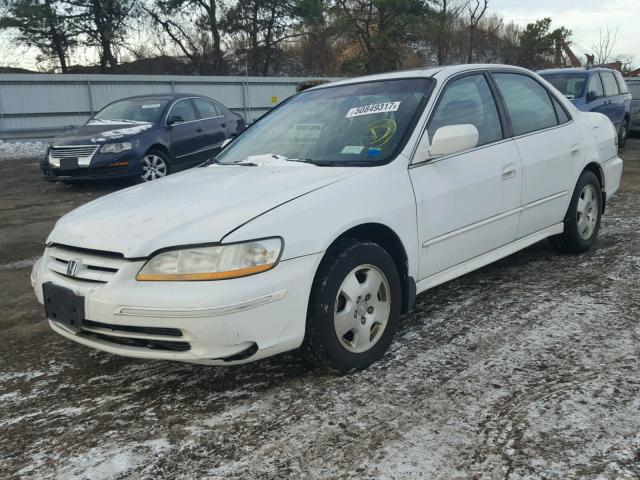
(70, 163)
(63, 305)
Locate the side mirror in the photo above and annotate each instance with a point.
(173, 119)
(453, 139)
(592, 95)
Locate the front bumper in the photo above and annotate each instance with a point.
(218, 322)
(102, 166)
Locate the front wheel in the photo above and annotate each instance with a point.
(582, 223)
(155, 164)
(353, 308)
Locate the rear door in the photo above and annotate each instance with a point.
(550, 146)
(614, 99)
(186, 135)
(468, 202)
(214, 126)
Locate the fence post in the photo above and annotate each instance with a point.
(173, 86)
(90, 92)
(244, 101)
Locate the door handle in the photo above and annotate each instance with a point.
(223, 125)
(509, 171)
(199, 130)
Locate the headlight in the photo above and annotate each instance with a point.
(216, 262)
(115, 147)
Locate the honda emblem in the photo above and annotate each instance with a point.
(73, 266)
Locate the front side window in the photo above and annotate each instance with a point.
(527, 102)
(359, 123)
(206, 108)
(138, 110)
(570, 85)
(610, 84)
(468, 100)
(595, 86)
(182, 111)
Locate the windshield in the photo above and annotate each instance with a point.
(138, 110)
(634, 88)
(569, 84)
(363, 124)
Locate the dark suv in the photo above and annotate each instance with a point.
(144, 138)
(596, 89)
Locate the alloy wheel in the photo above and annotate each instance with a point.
(153, 167)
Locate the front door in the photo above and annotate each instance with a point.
(467, 203)
(185, 133)
(213, 124)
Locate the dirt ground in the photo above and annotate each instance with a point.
(528, 368)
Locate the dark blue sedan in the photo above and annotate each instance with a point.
(143, 138)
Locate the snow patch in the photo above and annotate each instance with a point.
(19, 264)
(122, 132)
(21, 150)
(112, 461)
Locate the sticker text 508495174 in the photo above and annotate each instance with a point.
(373, 108)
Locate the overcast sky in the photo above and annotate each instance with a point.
(584, 18)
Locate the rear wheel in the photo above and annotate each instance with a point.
(354, 307)
(582, 223)
(155, 164)
(623, 133)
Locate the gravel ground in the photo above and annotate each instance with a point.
(528, 368)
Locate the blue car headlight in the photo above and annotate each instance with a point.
(115, 147)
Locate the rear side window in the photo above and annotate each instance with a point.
(621, 83)
(527, 102)
(206, 108)
(610, 84)
(595, 86)
(468, 100)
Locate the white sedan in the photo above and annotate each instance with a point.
(317, 227)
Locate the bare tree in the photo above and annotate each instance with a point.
(477, 9)
(446, 14)
(606, 42)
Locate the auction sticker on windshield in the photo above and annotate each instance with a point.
(373, 108)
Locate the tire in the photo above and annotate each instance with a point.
(623, 133)
(582, 222)
(155, 165)
(335, 339)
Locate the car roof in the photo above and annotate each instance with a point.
(432, 72)
(553, 71)
(163, 96)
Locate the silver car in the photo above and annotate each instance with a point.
(634, 88)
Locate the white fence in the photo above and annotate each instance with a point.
(42, 105)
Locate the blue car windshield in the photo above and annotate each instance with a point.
(361, 123)
(571, 85)
(147, 110)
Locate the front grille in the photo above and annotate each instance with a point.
(87, 266)
(152, 344)
(84, 154)
(159, 331)
(73, 152)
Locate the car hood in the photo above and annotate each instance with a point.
(201, 205)
(99, 132)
